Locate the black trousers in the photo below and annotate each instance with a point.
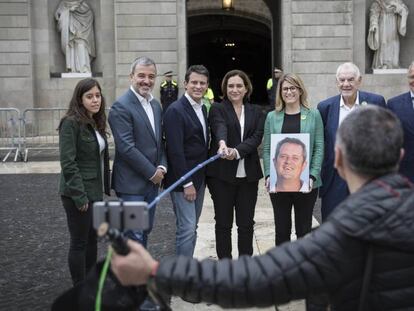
(83, 242)
(241, 198)
(302, 203)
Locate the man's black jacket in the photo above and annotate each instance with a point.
(330, 260)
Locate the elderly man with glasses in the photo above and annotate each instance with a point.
(333, 111)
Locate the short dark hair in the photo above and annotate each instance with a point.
(200, 69)
(243, 76)
(291, 140)
(371, 138)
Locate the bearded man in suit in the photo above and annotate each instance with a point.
(140, 161)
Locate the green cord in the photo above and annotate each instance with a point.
(102, 278)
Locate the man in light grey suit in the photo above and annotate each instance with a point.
(140, 162)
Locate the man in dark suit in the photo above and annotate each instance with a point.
(186, 133)
(140, 161)
(333, 110)
(403, 107)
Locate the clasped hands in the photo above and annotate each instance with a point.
(158, 176)
(225, 152)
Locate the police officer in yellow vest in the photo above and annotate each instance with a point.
(271, 86)
(168, 90)
(208, 99)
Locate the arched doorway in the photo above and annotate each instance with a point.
(223, 42)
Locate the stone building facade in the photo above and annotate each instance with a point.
(305, 36)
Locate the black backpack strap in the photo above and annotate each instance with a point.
(363, 298)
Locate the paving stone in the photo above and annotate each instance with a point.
(34, 241)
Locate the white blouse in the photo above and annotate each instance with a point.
(241, 171)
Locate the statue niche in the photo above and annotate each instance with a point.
(75, 24)
(387, 21)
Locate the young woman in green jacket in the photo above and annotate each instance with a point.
(293, 114)
(84, 162)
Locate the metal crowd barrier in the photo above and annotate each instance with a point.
(34, 129)
(39, 130)
(10, 138)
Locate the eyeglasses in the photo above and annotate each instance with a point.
(292, 89)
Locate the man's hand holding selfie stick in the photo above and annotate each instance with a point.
(131, 263)
(136, 267)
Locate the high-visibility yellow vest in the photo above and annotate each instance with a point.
(269, 84)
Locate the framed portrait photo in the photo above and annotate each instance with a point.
(289, 163)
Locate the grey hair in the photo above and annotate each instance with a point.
(351, 66)
(371, 138)
(411, 66)
(143, 61)
(291, 140)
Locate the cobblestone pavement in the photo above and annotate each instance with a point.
(34, 238)
(34, 241)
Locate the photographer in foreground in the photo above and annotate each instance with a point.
(361, 257)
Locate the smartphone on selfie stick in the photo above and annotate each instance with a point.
(111, 218)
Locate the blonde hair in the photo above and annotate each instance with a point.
(296, 81)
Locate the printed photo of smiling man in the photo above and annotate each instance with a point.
(289, 170)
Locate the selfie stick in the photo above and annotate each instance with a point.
(182, 179)
(118, 241)
(116, 237)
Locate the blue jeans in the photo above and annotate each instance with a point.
(187, 214)
(139, 235)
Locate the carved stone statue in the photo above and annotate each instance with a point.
(387, 20)
(75, 23)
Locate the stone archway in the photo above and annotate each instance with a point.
(225, 40)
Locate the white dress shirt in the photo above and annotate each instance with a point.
(147, 107)
(412, 98)
(150, 114)
(241, 171)
(198, 109)
(101, 143)
(344, 110)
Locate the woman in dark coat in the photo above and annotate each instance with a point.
(85, 171)
(236, 132)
